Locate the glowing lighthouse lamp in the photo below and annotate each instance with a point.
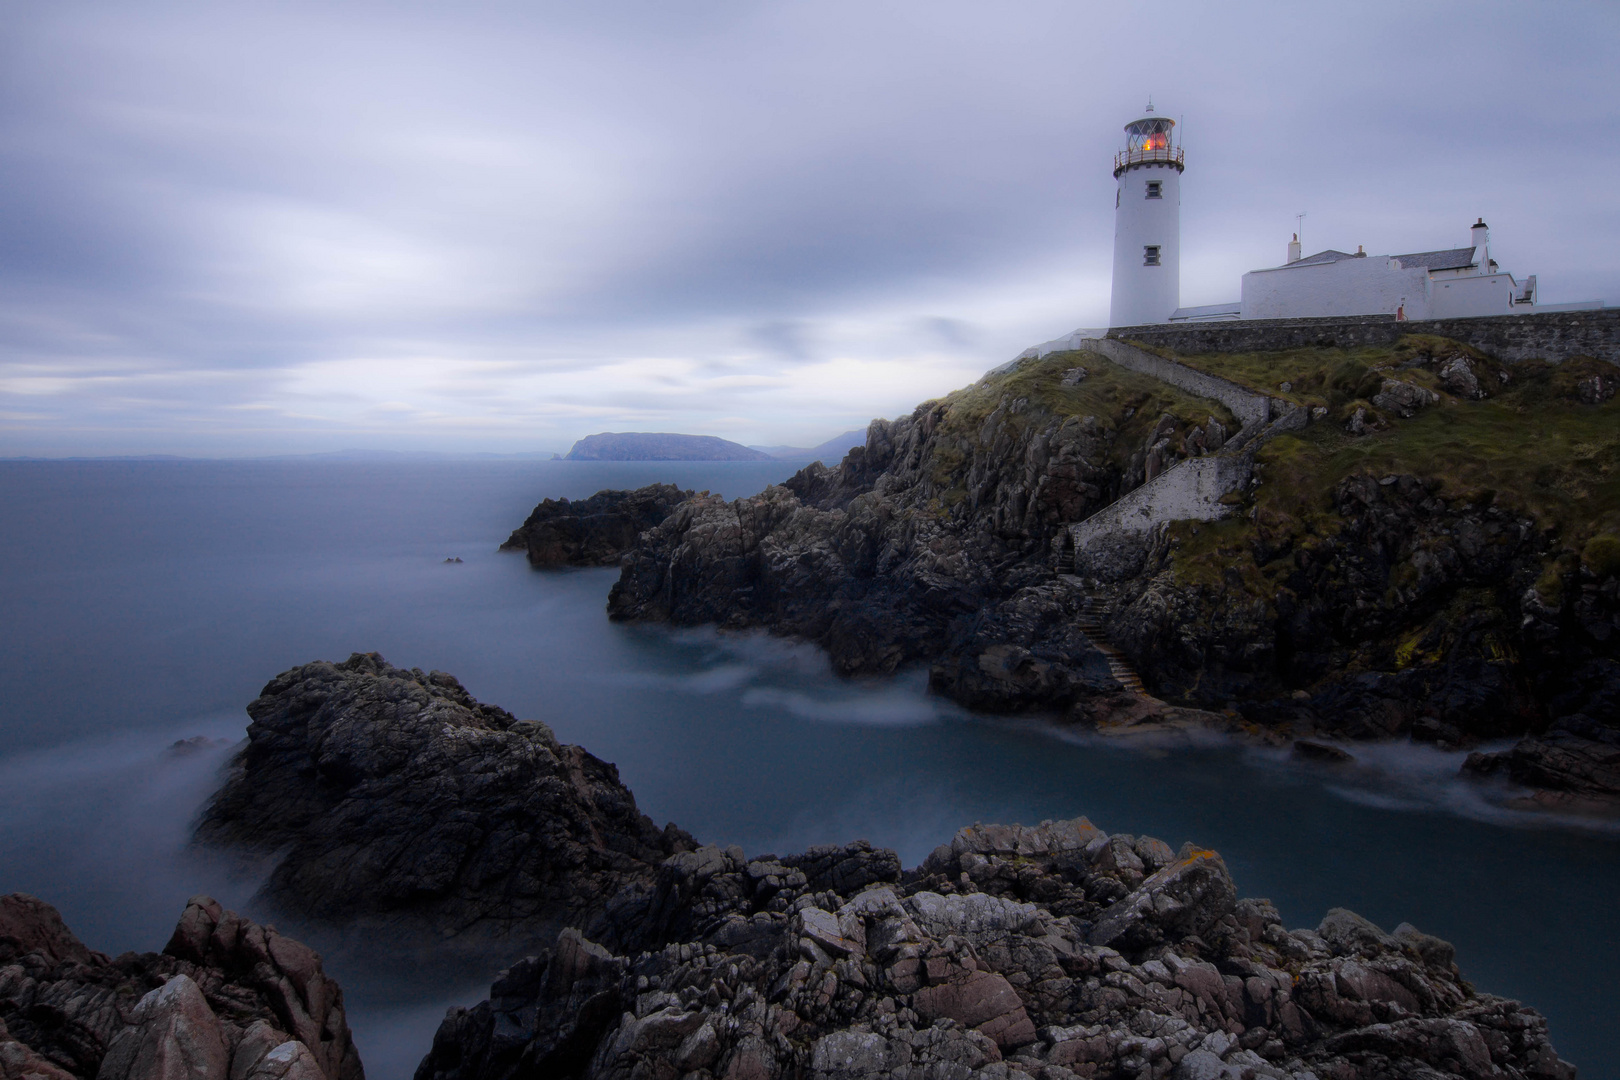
(1147, 224)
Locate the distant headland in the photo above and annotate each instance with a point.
(659, 446)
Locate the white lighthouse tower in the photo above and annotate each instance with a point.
(1147, 224)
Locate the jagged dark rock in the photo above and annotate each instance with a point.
(225, 998)
(1042, 953)
(592, 532)
(395, 801)
(930, 543)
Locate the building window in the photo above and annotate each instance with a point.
(1150, 255)
(1155, 189)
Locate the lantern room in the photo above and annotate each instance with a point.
(1148, 141)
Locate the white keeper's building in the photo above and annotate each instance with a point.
(1454, 283)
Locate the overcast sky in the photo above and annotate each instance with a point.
(230, 230)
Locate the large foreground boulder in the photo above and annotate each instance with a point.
(393, 801)
(1012, 953)
(227, 999)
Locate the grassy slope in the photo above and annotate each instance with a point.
(1532, 446)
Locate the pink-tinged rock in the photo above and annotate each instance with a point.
(173, 1035)
(195, 929)
(663, 1030)
(287, 972)
(1071, 1052)
(1359, 982)
(28, 924)
(982, 1000)
(1048, 838)
(20, 1062)
(824, 928)
(284, 1061)
(752, 1060)
(1189, 896)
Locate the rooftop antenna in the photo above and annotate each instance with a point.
(1299, 225)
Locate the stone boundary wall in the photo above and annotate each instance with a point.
(1549, 335)
(1247, 405)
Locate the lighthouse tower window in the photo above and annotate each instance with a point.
(1150, 255)
(1155, 189)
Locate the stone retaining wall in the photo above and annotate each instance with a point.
(1549, 335)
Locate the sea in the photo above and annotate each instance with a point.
(144, 603)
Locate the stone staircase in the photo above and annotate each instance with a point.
(1093, 615)
(1192, 489)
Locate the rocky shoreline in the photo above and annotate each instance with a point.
(226, 998)
(1397, 609)
(1011, 953)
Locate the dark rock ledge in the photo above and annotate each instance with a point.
(225, 998)
(592, 532)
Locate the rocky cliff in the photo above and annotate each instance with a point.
(1010, 954)
(1420, 561)
(393, 801)
(930, 543)
(594, 531)
(226, 998)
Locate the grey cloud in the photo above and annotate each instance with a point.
(208, 207)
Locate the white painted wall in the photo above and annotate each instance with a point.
(1146, 294)
(1375, 285)
(1482, 294)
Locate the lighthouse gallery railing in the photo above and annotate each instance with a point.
(1164, 155)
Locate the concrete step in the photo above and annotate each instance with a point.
(1091, 621)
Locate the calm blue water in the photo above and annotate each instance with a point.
(146, 602)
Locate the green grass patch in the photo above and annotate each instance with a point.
(1533, 446)
(1319, 376)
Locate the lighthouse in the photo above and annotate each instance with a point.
(1147, 224)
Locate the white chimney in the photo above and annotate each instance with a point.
(1293, 249)
(1480, 234)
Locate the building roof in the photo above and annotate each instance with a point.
(1453, 259)
(1321, 257)
(1208, 311)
